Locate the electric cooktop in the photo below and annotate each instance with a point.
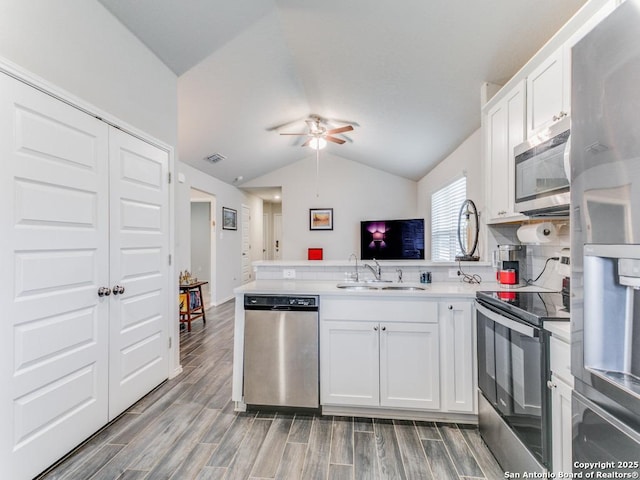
(532, 307)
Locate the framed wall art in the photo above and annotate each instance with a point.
(229, 219)
(321, 219)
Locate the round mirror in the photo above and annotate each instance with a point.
(468, 230)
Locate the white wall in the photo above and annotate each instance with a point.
(78, 46)
(228, 252)
(354, 191)
(464, 160)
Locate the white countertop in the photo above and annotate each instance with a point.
(562, 330)
(329, 287)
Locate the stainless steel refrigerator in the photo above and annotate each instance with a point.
(605, 239)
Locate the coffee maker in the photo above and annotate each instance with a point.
(510, 262)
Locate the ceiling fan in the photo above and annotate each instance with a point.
(319, 135)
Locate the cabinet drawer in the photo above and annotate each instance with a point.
(561, 360)
(379, 310)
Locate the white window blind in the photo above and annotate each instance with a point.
(445, 207)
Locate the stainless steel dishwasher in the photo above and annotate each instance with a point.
(281, 351)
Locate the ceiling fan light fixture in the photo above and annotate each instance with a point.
(317, 143)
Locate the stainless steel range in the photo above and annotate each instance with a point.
(513, 369)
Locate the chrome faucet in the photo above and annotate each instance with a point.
(399, 272)
(377, 271)
(355, 257)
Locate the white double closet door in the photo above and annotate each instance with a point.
(83, 206)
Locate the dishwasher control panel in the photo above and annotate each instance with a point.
(304, 302)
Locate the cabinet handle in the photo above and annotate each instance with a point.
(551, 385)
(118, 289)
(384, 329)
(450, 307)
(375, 328)
(104, 291)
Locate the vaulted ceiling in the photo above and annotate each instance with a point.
(407, 72)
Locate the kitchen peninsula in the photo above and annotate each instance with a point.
(387, 349)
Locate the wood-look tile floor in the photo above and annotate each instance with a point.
(187, 429)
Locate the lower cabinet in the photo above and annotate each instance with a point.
(397, 353)
(561, 425)
(379, 364)
(458, 357)
(561, 385)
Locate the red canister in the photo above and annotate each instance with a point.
(508, 276)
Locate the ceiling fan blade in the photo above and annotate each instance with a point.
(346, 128)
(300, 134)
(306, 144)
(334, 139)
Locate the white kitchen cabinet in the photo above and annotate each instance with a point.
(390, 364)
(409, 375)
(379, 352)
(561, 425)
(457, 358)
(504, 129)
(561, 385)
(349, 363)
(546, 102)
(549, 85)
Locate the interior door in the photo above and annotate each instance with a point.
(54, 255)
(139, 267)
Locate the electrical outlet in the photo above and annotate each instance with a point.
(289, 273)
(453, 273)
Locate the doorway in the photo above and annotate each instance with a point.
(203, 238)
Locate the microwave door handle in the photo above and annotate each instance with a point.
(506, 322)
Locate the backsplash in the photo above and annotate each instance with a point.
(339, 271)
(537, 255)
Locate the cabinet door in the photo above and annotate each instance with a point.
(545, 100)
(561, 425)
(54, 228)
(458, 357)
(506, 126)
(349, 363)
(409, 365)
(498, 171)
(139, 262)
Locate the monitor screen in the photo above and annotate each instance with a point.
(392, 239)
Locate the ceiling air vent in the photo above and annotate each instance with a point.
(216, 157)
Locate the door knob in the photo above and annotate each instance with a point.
(104, 291)
(118, 289)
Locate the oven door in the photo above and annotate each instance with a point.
(512, 375)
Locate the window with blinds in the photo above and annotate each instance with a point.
(445, 207)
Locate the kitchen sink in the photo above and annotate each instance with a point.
(376, 286)
(359, 286)
(402, 287)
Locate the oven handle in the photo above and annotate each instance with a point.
(506, 322)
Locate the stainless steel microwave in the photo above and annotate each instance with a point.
(542, 172)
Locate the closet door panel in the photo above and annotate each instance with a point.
(54, 254)
(139, 263)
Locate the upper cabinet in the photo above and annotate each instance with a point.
(505, 125)
(549, 85)
(546, 102)
(535, 98)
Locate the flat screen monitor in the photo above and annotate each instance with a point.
(392, 239)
